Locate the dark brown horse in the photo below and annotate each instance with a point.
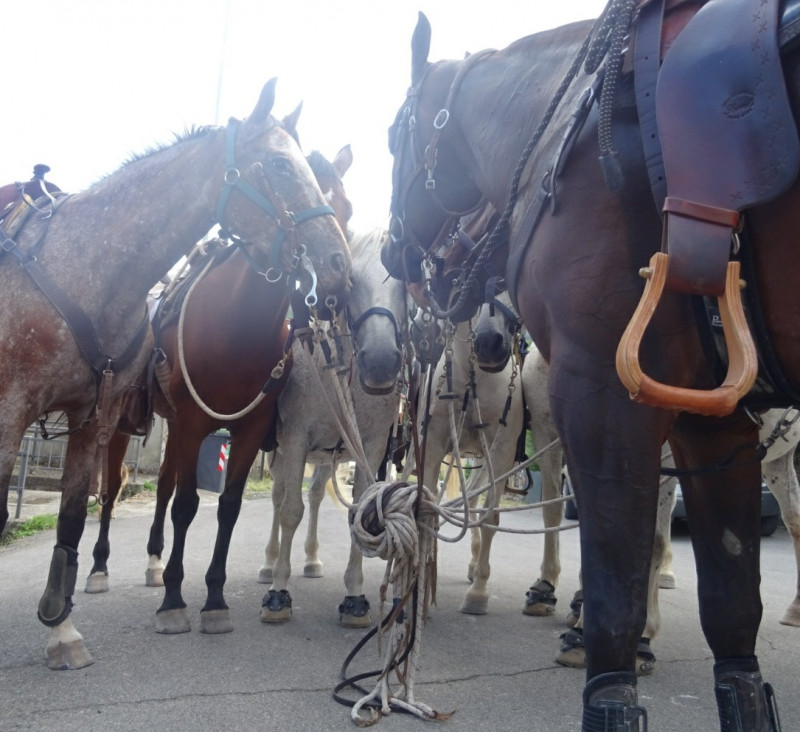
(227, 374)
(132, 227)
(575, 251)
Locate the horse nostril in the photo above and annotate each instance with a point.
(339, 263)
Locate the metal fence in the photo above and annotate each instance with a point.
(37, 453)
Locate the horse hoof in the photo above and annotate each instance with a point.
(354, 612)
(644, 667)
(645, 658)
(666, 581)
(265, 576)
(215, 621)
(540, 600)
(474, 605)
(66, 656)
(154, 577)
(276, 607)
(313, 570)
(572, 652)
(791, 616)
(172, 621)
(96, 582)
(539, 610)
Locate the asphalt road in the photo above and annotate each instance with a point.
(494, 671)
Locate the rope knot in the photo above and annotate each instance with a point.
(384, 521)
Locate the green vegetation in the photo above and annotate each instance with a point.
(30, 527)
(148, 486)
(258, 487)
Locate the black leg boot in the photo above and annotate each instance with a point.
(610, 704)
(744, 701)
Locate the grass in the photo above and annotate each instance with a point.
(32, 526)
(258, 487)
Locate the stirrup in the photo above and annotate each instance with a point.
(742, 357)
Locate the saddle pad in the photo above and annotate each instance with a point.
(728, 136)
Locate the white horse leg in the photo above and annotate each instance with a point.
(66, 649)
(476, 599)
(273, 542)
(354, 610)
(316, 492)
(781, 478)
(540, 600)
(287, 469)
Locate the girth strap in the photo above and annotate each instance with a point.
(76, 319)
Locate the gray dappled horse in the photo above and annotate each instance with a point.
(72, 339)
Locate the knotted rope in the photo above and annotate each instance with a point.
(391, 522)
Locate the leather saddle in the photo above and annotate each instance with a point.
(718, 98)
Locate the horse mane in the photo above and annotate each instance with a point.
(191, 133)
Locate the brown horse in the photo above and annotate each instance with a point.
(229, 380)
(131, 227)
(575, 249)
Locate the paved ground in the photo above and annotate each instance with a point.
(495, 670)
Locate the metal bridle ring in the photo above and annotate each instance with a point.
(273, 278)
(232, 176)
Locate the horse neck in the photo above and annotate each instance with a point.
(135, 224)
(510, 91)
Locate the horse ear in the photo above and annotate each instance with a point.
(420, 48)
(265, 102)
(343, 161)
(289, 123)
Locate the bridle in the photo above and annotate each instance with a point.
(285, 249)
(404, 140)
(354, 324)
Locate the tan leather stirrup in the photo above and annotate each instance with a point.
(742, 358)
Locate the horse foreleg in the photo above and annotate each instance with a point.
(66, 649)
(167, 480)
(476, 599)
(171, 617)
(316, 492)
(265, 574)
(354, 610)
(287, 470)
(98, 577)
(781, 478)
(540, 600)
(215, 614)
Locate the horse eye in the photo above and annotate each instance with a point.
(281, 164)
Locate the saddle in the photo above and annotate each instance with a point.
(721, 99)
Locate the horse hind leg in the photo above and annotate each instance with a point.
(781, 478)
(97, 581)
(167, 480)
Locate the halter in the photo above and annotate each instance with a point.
(355, 323)
(270, 203)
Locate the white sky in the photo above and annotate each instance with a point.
(87, 83)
